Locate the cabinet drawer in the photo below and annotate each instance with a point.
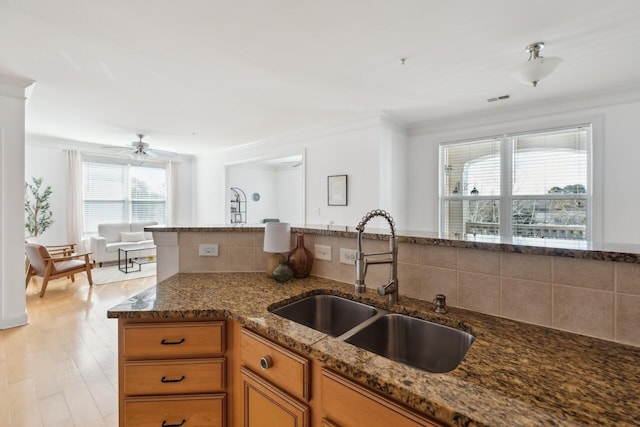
(169, 340)
(286, 369)
(348, 404)
(174, 377)
(200, 411)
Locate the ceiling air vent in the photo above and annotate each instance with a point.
(499, 98)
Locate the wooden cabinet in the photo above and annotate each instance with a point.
(176, 411)
(348, 404)
(172, 373)
(328, 423)
(171, 340)
(219, 374)
(186, 376)
(275, 384)
(265, 405)
(275, 363)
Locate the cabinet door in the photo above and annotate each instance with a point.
(267, 406)
(348, 404)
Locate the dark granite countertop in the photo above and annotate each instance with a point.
(618, 252)
(514, 374)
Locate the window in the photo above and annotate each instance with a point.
(526, 185)
(115, 191)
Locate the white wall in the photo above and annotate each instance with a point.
(371, 156)
(186, 191)
(621, 147)
(210, 189)
(280, 188)
(255, 180)
(355, 154)
(51, 165)
(290, 202)
(616, 155)
(393, 170)
(12, 118)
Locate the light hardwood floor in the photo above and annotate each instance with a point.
(62, 368)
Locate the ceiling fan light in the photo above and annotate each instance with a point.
(535, 70)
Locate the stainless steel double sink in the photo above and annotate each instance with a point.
(419, 343)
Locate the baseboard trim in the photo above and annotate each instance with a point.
(7, 322)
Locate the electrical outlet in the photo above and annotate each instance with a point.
(347, 256)
(322, 252)
(208, 249)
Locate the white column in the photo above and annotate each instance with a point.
(393, 170)
(12, 295)
(167, 254)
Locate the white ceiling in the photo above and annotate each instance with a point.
(208, 74)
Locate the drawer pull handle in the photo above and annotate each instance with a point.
(165, 380)
(266, 362)
(164, 423)
(165, 342)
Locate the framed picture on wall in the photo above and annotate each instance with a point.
(337, 190)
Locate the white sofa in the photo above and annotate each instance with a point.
(104, 247)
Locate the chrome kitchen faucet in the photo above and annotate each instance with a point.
(362, 261)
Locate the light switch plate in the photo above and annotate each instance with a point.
(322, 252)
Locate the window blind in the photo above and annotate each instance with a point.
(118, 192)
(471, 187)
(550, 184)
(148, 194)
(550, 163)
(471, 166)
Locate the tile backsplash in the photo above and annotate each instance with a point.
(590, 297)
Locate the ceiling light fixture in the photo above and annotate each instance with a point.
(537, 67)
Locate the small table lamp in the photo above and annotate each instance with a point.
(277, 240)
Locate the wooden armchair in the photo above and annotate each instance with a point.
(62, 250)
(42, 263)
(54, 250)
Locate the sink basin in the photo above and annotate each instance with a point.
(415, 342)
(329, 314)
(424, 345)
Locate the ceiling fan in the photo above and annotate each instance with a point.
(140, 150)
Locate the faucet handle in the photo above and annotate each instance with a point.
(441, 303)
(390, 289)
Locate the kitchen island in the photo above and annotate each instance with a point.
(513, 374)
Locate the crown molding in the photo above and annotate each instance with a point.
(535, 109)
(394, 123)
(15, 86)
(53, 142)
(368, 121)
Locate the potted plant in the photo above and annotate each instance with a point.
(37, 207)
